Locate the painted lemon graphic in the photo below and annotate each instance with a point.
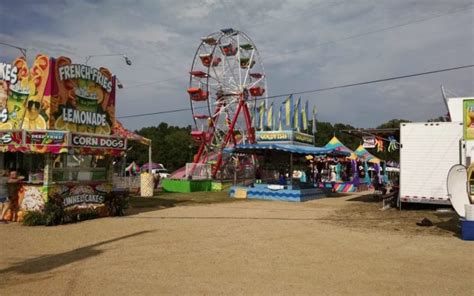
(85, 129)
(34, 124)
(6, 125)
(60, 124)
(103, 130)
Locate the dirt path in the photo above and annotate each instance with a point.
(330, 246)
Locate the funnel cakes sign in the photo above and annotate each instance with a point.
(85, 98)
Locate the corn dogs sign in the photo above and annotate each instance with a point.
(92, 141)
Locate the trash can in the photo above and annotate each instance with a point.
(467, 229)
(147, 184)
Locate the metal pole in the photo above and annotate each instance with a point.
(290, 175)
(149, 158)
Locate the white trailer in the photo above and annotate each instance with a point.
(428, 150)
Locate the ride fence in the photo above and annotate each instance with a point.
(132, 183)
(198, 171)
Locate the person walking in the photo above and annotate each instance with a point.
(4, 195)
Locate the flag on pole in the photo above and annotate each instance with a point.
(300, 115)
(314, 120)
(289, 111)
(307, 115)
(280, 127)
(270, 116)
(297, 116)
(261, 116)
(252, 114)
(304, 115)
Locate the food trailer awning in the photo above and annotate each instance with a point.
(298, 149)
(119, 130)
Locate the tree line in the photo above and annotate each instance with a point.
(173, 146)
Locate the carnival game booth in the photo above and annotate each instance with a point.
(370, 161)
(56, 132)
(345, 168)
(283, 159)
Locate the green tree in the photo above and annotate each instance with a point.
(172, 146)
(325, 132)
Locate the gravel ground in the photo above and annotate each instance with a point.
(342, 245)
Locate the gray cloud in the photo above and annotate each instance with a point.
(161, 38)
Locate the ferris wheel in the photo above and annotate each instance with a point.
(226, 78)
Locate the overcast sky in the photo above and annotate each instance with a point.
(304, 44)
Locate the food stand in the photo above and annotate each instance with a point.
(347, 165)
(56, 122)
(285, 147)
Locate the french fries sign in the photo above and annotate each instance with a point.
(56, 94)
(85, 98)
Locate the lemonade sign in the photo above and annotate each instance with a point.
(468, 107)
(84, 98)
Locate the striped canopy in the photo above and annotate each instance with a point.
(335, 144)
(299, 149)
(364, 154)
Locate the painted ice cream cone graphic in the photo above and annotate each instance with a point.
(470, 122)
(4, 124)
(18, 94)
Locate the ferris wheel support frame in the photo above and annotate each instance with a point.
(230, 133)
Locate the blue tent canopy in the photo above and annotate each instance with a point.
(299, 149)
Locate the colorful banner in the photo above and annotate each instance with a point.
(315, 130)
(84, 98)
(25, 94)
(304, 116)
(47, 141)
(368, 142)
(273, 136)
(468, 122)
(11, 137)
(297, 115)
(46, 138)
(270, 117)
(303, 138)
(289, 137)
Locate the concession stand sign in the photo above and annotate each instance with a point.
(58, 115)
(94, 141)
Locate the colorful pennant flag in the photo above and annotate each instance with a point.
(261, 116)
(289, 111)
(270, 116)
(314, 120)
(297, 115)
(280, 127)
(304, 115)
